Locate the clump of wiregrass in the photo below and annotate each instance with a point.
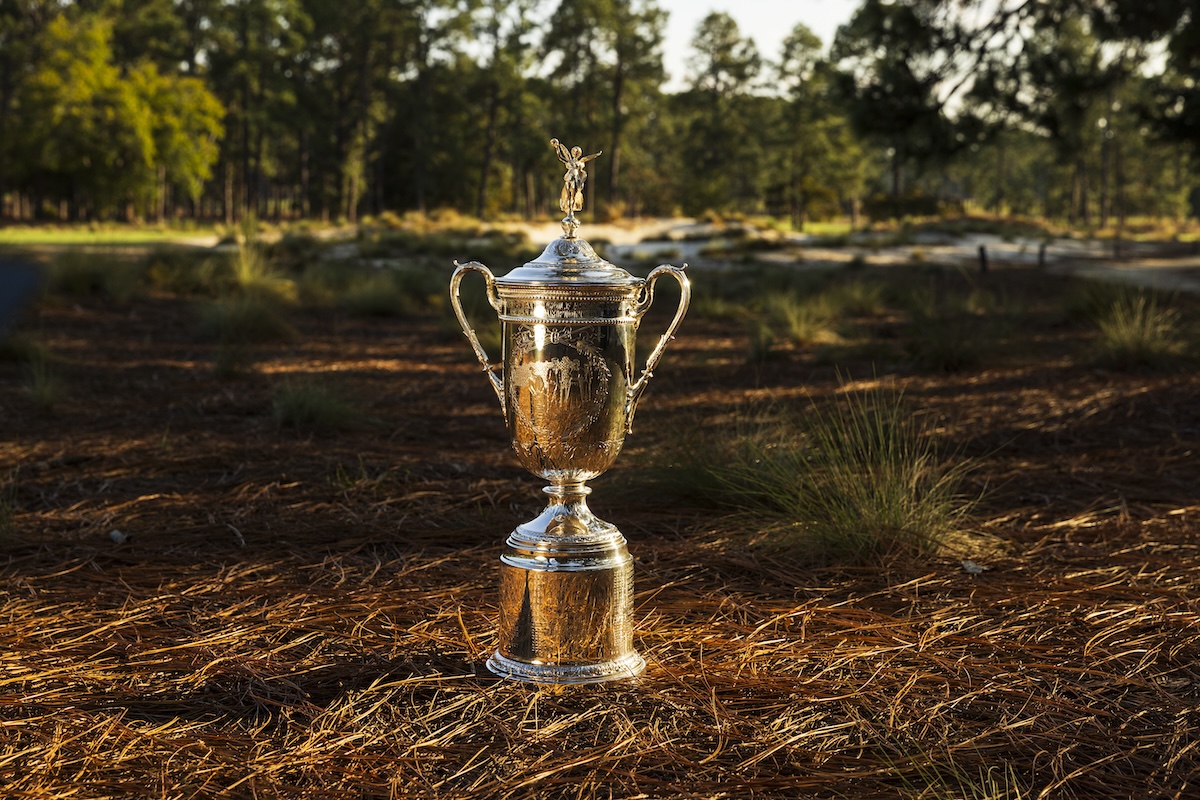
(404, 290)
(255, 274)
(804, 320)
(81, 273)
(376, 295)
(361, 479)
(43, 383)
(312, 405)
(939, 776)
(1139, 331)
(763, 341)
(944, 335)
(860, 480)
(856, 297)
(322, 283)
(188, 271)
(1089, 300)
(712, 305)
(243, 319)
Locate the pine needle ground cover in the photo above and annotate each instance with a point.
(197, 601)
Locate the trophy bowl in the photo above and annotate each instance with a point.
(567, 389)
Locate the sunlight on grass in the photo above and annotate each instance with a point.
(254, 272)
(856, 297)
(804, 320)
(858, 481)
(1137, 332)
(940, 776)
(82, 235)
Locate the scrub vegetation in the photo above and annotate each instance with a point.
(930, 536)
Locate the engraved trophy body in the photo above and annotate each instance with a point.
(568, 393)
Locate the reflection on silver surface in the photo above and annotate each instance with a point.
(568, 393)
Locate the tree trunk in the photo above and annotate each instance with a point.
(1120, 189)
(1081, 178)
(896, 186)
(1001, 179)
(489, 142)
(304, 175)
(228, 193)
(6, 94)
(359, 170)
(160, 207)
(1105, 159)
(618, 128)
(351, 207)
(422, 117)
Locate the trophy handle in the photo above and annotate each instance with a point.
(645, 299)
(488, 367)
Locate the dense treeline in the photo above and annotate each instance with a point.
(1081, 109)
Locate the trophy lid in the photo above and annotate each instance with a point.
(569, 259)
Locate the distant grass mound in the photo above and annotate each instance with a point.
(1139, 331)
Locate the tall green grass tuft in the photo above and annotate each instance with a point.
(860, 481)
(809, 320)
(941, 776)
(1136, 332)
(312, 405)
(254, 272)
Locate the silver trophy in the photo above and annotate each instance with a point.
(568, 390)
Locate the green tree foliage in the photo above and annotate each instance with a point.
(820, 164)
(88, 134)
(186, 129)
(899, 74)
(1179, 95)
(722, 153)
(101, 139)
(607, 70)
(230, 109)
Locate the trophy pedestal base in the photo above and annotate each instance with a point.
(566, 598)
(566, 674)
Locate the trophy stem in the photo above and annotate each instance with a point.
(566, 597)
